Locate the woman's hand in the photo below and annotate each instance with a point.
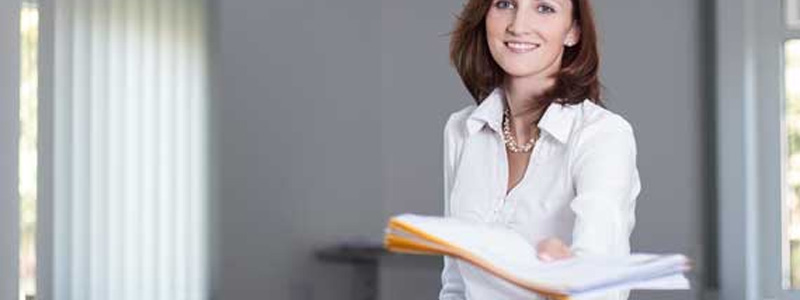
(552, 249)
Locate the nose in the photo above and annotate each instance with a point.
(518, 25)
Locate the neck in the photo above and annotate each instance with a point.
(524, 98)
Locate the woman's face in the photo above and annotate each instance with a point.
(527, 37)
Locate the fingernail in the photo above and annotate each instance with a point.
(545, 257)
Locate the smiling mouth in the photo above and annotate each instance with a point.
(518, 47)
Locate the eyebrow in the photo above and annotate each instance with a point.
(560, 3)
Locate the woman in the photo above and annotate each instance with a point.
(538, 153)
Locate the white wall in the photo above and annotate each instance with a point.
(329, 118)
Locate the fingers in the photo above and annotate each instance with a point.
(552, 249)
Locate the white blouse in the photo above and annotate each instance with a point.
(580, 186)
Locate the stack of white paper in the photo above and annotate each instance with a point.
(511, 257)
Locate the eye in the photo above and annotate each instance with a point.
(504, 4)
(545, 9)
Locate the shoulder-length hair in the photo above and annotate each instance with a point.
(576, 80)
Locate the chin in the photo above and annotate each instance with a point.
(519, 70)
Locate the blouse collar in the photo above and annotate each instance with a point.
(557, 120)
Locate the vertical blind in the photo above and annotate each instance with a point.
(130, 158)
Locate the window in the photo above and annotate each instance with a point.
(758, 167)
(792, 176)
(28, 111)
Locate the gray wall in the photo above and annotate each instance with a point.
(652, 70)
(299, 152)
(419, 91)
(329, 116)
(9, 135)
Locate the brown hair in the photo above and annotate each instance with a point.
(576, 80)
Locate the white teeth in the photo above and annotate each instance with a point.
(521, 46)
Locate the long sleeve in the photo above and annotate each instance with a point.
(452, 282)
(606, 183)
(585, 180)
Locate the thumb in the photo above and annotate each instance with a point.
(545, 257)
(552, 249)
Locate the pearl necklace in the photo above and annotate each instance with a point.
(511, 144)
